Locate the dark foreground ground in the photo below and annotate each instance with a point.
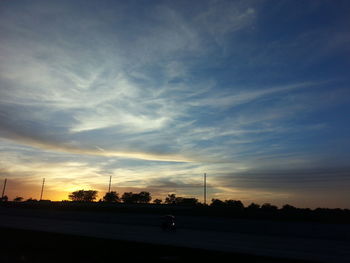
(54, 235)
(34, 246)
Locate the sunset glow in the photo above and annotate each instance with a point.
(156, 93)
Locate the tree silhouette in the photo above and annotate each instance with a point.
(186, 201)
(174, 200)
(288, 208)
(4, 198)
(83, 196)
(217, 202)
(144, 197)
(18, 199)
(128, 198)
(111, 197)
(170, 199)
(140, 198)
(269, 207)
(236, 204)
(253, 206)
(31, 200)
(157, 201)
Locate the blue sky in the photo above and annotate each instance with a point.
(155, 93)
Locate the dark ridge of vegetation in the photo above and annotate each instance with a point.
(141, 198)
(111, 197)
(83, 200)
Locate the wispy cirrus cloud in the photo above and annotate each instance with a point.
(169, 90)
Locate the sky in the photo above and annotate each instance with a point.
(156, 93)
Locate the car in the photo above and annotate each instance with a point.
(168, 223)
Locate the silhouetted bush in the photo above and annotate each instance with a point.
(253, 207)
(269, 208)
(18, 199)
(111, 197)
(45, 201)
(4, 198)
(288, 208)
(170, 199)
(140, 198)
(217, 203)
(31, 200)
(235, 204)
(157, 201)
(83, 195)
(186, 201)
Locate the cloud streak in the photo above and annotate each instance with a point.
(187, 87)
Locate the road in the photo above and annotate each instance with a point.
(315, 242)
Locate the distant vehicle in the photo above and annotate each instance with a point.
(168, 223)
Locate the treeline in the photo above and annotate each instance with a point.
(130, 198)
(142, 202)
(145, 197)
(217, 207)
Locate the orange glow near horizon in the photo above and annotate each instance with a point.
(247, 197)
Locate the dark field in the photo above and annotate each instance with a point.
(75, 233)
(320, 215)
(34, 246)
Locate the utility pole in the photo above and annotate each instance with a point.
(205, 188)
(3, 190)
(42, 189)
(110, 180)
